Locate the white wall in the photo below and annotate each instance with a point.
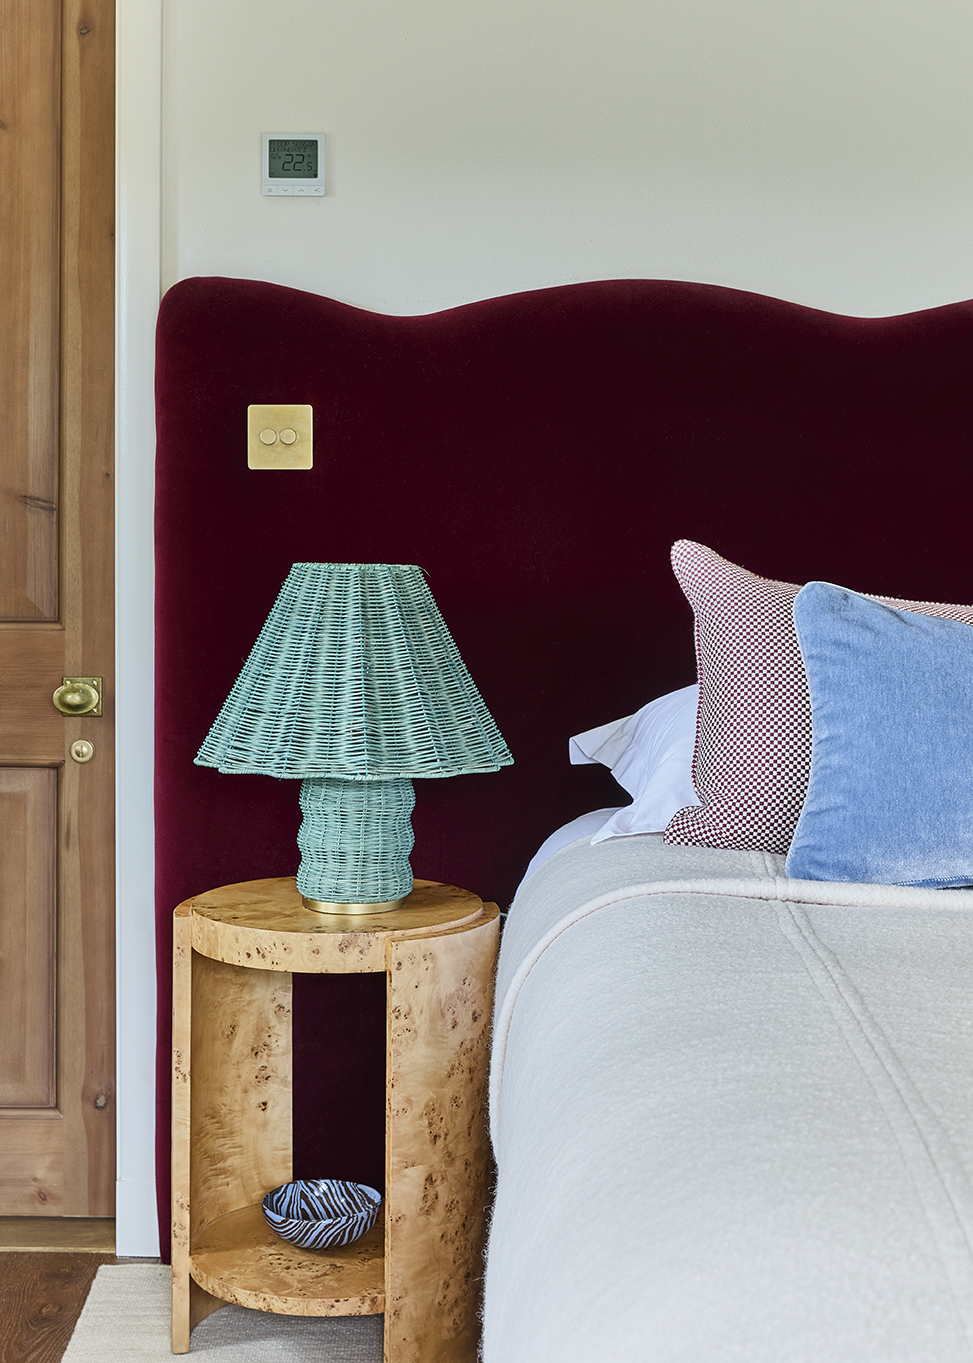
(137, 234)
(821, 152)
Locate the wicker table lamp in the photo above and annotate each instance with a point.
(356, 687)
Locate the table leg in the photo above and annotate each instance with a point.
(440, 996)
(182, 994)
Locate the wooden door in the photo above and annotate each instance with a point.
(57, 1110)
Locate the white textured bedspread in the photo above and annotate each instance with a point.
(733, 1115)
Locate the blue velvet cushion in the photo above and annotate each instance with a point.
(890, 795)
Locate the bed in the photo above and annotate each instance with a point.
(730, 1096)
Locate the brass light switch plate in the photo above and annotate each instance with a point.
(280, 436)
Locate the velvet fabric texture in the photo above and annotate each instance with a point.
(890, 796)
(537, 455)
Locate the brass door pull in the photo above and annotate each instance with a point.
(79, 696)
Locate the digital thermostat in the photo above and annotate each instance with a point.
(293, 163)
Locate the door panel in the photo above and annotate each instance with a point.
(29, 242)
(28, 817)
(56, 500)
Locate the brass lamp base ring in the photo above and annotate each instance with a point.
(350, 910)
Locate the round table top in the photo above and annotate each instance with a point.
(264, 925)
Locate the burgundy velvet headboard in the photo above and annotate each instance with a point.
(537, 455)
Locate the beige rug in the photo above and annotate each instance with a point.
(126, 1320)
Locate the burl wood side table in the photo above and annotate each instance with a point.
(236, 949)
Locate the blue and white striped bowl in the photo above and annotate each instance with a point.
(320, 1213)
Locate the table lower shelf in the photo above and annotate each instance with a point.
(238, 1258)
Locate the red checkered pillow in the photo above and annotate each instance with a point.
(753, 728)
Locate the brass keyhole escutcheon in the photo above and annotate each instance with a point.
(79, 696)
(83, 750)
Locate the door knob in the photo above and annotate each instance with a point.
(79, 696)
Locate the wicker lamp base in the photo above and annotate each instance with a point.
(355, 842)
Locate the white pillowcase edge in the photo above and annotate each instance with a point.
(650, 755)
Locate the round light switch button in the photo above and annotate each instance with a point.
(268, 436)
(288, 436)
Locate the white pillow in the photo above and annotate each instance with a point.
(650, 755)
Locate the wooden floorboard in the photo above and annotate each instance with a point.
(41, 1296)
(65, 1233)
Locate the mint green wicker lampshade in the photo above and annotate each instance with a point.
(356, 687)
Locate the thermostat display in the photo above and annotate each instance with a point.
(293, 163)
(293, 158)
